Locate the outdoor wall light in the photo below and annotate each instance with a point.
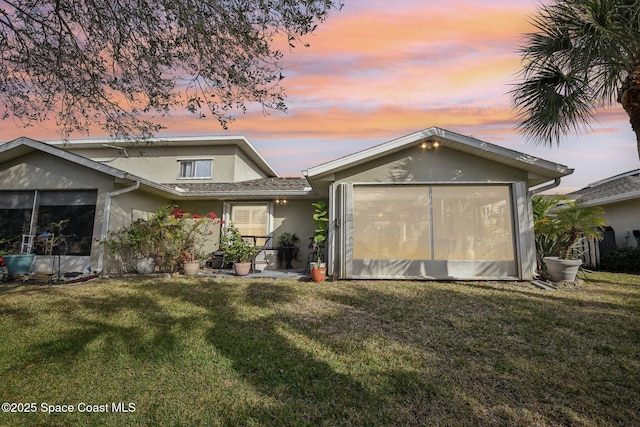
(281, 202)
(429, 145)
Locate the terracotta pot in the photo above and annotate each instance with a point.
(318, 274)
(562, 270)
(191, 268)
(242, 268)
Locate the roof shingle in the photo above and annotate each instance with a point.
(614, 186)
(271, 186)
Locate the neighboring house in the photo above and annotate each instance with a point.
(619, 196)
(430, 205)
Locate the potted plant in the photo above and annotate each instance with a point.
(13, 264)
(560, 225)
(238, 251)
(320, 221)
(287, 249)
(17, 263)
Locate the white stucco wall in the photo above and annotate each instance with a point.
(624, 217)
(161, 163)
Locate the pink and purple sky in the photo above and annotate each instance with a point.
(378, 70)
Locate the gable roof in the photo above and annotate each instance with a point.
(23, 146)
(239, 141)
(539, 170)
(624, 186)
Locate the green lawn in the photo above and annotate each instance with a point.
(263, 352)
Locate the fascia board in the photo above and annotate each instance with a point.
(65, 155)
(366, 154)
(237, 140)
(446, 139)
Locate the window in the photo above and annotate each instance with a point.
(75, 210)
(196, 168)
(15, 218)
(251, 219)
(391, 222)
(472, 223)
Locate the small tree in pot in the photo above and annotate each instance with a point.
(560, 225)
(320, 221)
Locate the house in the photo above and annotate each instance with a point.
(103, 185)
(433, 204)
(619, 196)
(430, 205)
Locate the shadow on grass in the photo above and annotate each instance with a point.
(516, 354)
(254, 332)
(369, 355)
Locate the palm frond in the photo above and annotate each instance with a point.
(576, 61)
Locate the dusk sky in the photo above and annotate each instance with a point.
(378, 70)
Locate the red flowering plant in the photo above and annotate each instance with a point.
(171, 236)
(188, 236)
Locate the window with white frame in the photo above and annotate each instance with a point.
(196, 168)
(251, 219)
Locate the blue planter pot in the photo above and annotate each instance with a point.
(19, 264)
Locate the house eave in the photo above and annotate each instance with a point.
(22, 146)
(539, 170)
(633, 195)
(239, 141)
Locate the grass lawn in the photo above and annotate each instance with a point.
(252, 352)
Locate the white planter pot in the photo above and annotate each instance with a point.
(562, 270)
(191, 268)
(145, 265)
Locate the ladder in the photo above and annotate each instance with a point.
(27, 244)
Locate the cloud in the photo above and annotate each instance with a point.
(378, 70)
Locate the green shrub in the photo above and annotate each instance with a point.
(625, 260)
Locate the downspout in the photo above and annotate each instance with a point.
(530, 194)
(105, 221)
(554, 184)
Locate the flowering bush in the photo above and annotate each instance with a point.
(171, 236)
(187, 234)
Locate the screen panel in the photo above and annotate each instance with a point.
(391, 222)
(472, 223)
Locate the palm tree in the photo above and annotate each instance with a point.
(559, 223)
(584, 55)
(579, 222)
(549, 241)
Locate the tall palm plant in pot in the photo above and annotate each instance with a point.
(320, 221)
(560, 225)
